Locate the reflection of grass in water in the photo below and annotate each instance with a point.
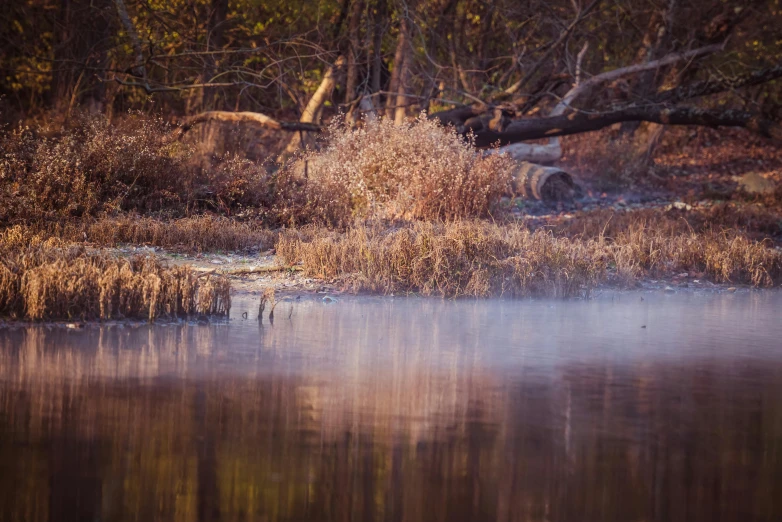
(51, 279)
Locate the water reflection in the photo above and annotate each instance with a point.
(403, 410)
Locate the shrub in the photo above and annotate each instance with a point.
(93, 166)
(417, 170)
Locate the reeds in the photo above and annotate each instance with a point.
(475, 258)
(466, 258)
(54, 280)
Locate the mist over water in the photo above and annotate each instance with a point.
(620, 408)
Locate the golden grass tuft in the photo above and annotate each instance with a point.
(49, 279)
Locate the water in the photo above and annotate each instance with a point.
(403, 410)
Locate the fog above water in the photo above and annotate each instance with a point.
(627, 407)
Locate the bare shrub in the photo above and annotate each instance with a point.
(94, 166)
(51, 279)
(417, 170)
(610, 161)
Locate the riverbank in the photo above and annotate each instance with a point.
(176, 268)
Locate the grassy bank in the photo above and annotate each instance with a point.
(481, 259)
(380, 208)
(203, 233)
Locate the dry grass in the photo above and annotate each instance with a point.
(754, 221)
(206, 233)
(51, 279)
(483, 259)
(418, 170)
(94, 167)
(456, 259)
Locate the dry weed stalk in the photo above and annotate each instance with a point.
(267, 297)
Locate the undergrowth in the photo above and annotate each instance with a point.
(95, 167)
(416, 170)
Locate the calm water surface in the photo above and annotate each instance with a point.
(617, 409)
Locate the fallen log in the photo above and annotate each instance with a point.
(578, 122)
(547, 184)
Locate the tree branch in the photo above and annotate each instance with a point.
(256, 118)
(580, 122)
(717, 85)
(609, 76)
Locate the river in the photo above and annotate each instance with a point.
(627, 407)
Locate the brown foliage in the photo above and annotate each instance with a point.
(461, 258)
(206, 233)
(416, 170)
(93, 166)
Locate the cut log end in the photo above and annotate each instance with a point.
(547, 184)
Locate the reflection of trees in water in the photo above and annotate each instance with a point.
(132, 426)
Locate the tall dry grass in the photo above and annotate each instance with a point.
(465, 258)
(49, 279)
(204, 233)
(476, 258)
(417, 170)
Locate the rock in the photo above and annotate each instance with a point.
(328, 299)
(732, 289)
(669, 290)
(680, 205)
(754, 183)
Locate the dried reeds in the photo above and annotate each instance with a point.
(51, 279)
(206, 233)
(461, 258)
(481, 259)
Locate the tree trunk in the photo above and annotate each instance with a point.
(377, 48)
(399, 57)
(549, 184)
(354, 48)
(311, 112)
(404, 77)
(575, 123)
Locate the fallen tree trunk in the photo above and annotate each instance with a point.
(255, 118)
(578, 122)
(552, 151)
(544, 154)
(548, 184)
